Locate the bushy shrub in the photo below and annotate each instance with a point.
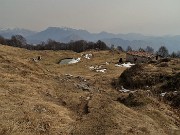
(172, 83)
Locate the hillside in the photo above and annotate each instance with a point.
(44, 97)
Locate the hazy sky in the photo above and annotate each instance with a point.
(156, 17)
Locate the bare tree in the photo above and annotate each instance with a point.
(112, 47)
(163, 51)
(173, 55)
(2, 40)
(120, 48)
(129, 48)
(149, 49)
(178, 54)
(18, 41)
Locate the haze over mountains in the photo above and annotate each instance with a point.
(7, 33)
(68, 34)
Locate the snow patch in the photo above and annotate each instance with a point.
(117, 65)
(163, 94)
(88, 56)
(74, 61)
(98, 68)
(101, 70)
(69, 75)
(4, 29)
(128, 65)
(91, 67)
(124, 90)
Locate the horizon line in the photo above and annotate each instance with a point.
(103, 31)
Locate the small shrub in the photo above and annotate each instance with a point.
(163, 64)
(172, 83)
(176, 101)
(165, 60)
(136, 99)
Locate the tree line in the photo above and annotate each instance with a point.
(162, 51)
(77, 46)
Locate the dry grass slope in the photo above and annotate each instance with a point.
(45, 98)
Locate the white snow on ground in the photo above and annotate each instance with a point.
(127, 65)
(117, 65)
(69, 75)
(91, 67)
(74, 61)
(88, 56)
(95, 67)
(124, 90)
(163, 94)
(124, 65)
(101, 70)
(98, 68)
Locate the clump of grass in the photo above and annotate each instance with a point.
(139, 77)
(173, 99)
(142, 75)
(173, 83)
(136, 99)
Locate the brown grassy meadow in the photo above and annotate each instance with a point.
(46, 98)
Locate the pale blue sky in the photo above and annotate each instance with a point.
(158, 17)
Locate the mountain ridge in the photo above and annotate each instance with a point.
(65, 34)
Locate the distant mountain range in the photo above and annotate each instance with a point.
(68, 34)
(7, 33)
